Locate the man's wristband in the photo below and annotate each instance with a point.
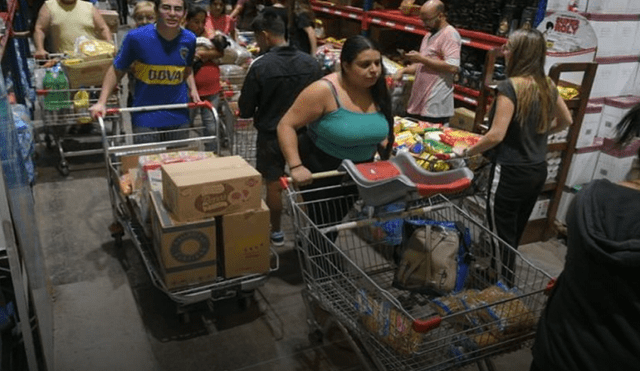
(293, 167)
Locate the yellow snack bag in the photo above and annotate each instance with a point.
(81, 106)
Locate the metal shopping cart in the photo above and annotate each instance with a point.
(349, 271)
(129, 218)
(62, 113)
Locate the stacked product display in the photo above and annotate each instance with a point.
(616, 25)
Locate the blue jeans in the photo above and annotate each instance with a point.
(208, 120)
(161, 134)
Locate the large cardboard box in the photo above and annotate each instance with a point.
(245, 242)
(111, 18)
(583, 164)
(186, 252)
(614, 109)
(614, 163)
(463, 119)
(590, 124)
(212, 187)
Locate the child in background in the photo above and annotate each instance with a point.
(217, 20)
(144, 13)
(206, 70)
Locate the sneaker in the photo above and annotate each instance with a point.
(277, 238)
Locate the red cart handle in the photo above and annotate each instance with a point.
(550, 286)
(424, 326)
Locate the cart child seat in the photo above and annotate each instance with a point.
(401, 179)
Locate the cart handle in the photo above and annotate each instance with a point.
(285, 180)
(202, 104)
(550, 286)
(47, 91)
(424, 326)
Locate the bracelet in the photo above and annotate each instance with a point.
(293, 167)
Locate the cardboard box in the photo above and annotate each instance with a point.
(612, 112)
(463, 119)
(614, 163)
(540, 209)
(245, 242)
(589, 127)
(211, 187)
(583, 164)
(186, 252)
(563, 206)
(112, 19)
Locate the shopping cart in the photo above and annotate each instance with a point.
(349, 271)
(62, 114)
(129, 220)
(243, 134)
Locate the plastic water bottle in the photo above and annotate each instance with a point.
(49, 84)
(62, 84)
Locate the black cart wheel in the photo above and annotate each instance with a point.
(64, 169)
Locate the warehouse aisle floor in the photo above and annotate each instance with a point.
(108, 315)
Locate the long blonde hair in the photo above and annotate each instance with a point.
(528, 51)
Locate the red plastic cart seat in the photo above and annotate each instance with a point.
(401, 179)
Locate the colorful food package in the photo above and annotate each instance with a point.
(508, 317)
(387, 323)
(456, 137)
(430, 162)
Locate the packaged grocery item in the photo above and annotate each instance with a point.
(389, 324)
(88, 49)
(81, 106)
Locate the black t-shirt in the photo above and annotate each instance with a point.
(522, 145)
(299, 37)
(273, 82)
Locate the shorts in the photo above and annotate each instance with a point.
(270, 161)
(143, 134)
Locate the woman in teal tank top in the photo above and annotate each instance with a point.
(347, 115)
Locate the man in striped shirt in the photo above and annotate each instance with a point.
(434, 67)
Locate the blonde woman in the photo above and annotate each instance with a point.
(526, 110)
(144, 12)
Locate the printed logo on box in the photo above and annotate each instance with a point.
(190, 247)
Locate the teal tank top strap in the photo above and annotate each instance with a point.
(334, 92)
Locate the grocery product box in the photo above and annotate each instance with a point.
(590, 124)
(563, 206)
(614, 163)
(463, 118)
(186, 252)
(111, 18)
(607, 6)
(211, 187)
(244, 242)
(583, 163)
(614, 109)
(540, 209)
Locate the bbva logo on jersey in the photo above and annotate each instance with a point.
(164, 75)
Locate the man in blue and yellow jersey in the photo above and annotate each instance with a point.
(160, 56)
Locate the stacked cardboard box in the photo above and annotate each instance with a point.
(210, 223)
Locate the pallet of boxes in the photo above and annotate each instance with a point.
(208, 221)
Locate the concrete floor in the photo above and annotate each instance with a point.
(108, 315)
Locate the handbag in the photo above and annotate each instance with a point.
(435, 258)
